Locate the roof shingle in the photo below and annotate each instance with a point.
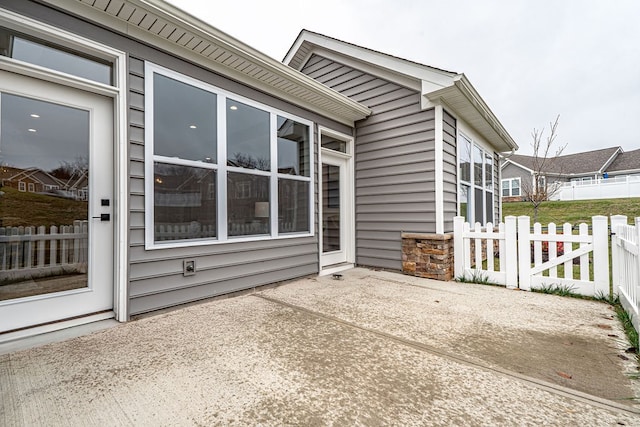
(570, 164)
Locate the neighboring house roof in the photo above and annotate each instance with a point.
(437, 86)
(35, 174)
(167, 27)
(588, 162)
(628, 161)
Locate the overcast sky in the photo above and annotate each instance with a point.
(531, 60)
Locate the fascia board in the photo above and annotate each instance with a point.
(188, 23)
(457, 88)
(476, 100)
(516, 164)
(295, 47)
(383, 73)
(624, 172)
(610, 160)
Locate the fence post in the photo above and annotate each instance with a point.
(458, 247)
(524, 252)
(616, 221)
(510, 258)
(601, 255)
(637, 230)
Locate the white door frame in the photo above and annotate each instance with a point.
(346, 259)
(118, 92)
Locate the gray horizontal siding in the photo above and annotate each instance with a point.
(513, 171)
(155, 276)
(450, 170)
(394, 161)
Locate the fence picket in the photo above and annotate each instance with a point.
(467, 246)
(510, 256)
(42, 230)
(584, 259)
(27, 248)
(537, 245)
(553, 249)
(478, 247)
(601, 255)
(3, 249)
(490, 264)
(524, 251)
(568, 265)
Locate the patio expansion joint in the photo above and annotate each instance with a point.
(544, 385)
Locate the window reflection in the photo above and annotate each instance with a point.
(293, 147)
(184, 121)
(293, 206)
(44, 191)
(57, 58)
(477, 165)
(248, 210)
(333, 144)
(330, 208)
(465, 159)
(488, 171)
(184, 202)
(248, 138)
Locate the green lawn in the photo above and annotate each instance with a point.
(19, 208)
(574, 212)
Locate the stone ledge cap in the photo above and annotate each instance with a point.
(427, 236)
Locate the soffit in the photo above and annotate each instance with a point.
(464, 101)
(163, 25)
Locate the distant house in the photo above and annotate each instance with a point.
(30, 180)
(518, 171)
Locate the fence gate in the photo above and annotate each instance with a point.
(625, 256)
(588, 251)
(535, 259)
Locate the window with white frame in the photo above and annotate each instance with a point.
(222, 167)
(511, 187)
(475, 170)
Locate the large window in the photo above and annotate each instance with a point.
(475, 170)
(221, 167)
(511, 187)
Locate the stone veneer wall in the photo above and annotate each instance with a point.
(428, 255)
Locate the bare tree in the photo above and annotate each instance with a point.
(545, 162)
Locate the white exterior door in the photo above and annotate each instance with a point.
(56, 203)
(336, 201)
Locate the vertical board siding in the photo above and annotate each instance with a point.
(450, 169)
(394, 161)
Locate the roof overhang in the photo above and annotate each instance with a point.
(466, 102)
(169, 28)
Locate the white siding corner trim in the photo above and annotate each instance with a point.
(439, 169)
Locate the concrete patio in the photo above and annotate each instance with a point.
(375, 348)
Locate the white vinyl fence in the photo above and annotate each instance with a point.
(31, 252)
(610, 188)
(625, 257)
(534, 259)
